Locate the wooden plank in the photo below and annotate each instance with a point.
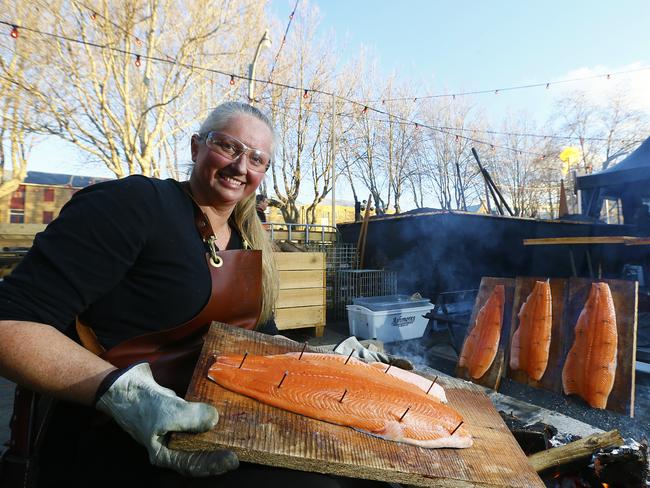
(302, 279)
(552, 379)
(299, 260)
(492, 376)
(266, 435)
(625, 297)
(298, 317)
(637, 241)
(300, 297)
(576, 240)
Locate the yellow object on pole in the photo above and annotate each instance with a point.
(570, 155)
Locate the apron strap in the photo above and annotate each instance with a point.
(88, 338)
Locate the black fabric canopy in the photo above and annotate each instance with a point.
(628, 180)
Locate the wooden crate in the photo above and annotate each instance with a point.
(301, 302)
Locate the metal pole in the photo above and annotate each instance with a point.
(333, 161)
(264, 41)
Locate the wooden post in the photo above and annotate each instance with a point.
(361, 243)
(559, 456)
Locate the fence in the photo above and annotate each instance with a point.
(354, 283)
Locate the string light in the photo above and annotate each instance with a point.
(93, 16)
(306, 94)
(138, 41)
(548, 85)
(14, 32)
(518, 87)
(402, 120)
(137, 60)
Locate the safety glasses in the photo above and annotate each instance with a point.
(233, 149)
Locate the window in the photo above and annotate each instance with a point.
(48, 194)
(16, 216)
(18, 198)
(48, 216)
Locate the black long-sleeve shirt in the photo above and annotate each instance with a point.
(124, 255)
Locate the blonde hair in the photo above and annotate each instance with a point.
(244, 216)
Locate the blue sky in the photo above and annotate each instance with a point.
(472, 45)
(475, 45)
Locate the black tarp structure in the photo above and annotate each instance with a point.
(628, 180)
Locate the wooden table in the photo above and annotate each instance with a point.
(267, 435)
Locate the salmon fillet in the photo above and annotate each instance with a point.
(532, 339)
(355, 394)
(590, 367)
(481, 345)
(421, 382)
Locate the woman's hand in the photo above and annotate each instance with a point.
(149, 412)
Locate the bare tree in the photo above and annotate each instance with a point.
(124, 82)
(306, 121)
(605, 131)
(448, 166)
(20, 59)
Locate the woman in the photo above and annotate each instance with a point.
(134, 270)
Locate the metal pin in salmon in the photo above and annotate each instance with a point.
(243, 359)
(387, 368)
(343, 396)
(351, 353)
(432, 383)
(404, 414)
(286, 373)
(304, 346)
(453, 431)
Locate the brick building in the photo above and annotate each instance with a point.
(38, 200)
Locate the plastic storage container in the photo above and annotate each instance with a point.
(390, 302)
(393, 319)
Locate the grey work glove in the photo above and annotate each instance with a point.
(149, 412)
(352, 344)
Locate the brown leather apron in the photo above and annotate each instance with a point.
(235, 299)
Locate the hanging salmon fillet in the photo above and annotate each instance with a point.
(532, 339)
(481, 345)
(590, 366)
(345, 391)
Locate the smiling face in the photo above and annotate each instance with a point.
(220, 182)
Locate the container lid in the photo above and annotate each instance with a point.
(390, 302)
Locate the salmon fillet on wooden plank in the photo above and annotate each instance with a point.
(532, 339)
(590, 367)
(355, 394)
(481, 345)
